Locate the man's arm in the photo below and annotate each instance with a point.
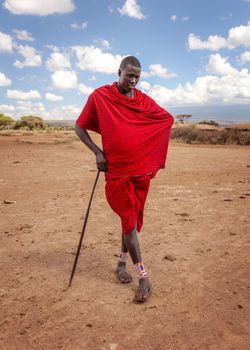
(101, 160)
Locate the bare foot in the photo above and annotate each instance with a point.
(122, 274)
(144, 290)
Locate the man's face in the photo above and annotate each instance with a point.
(129, 77)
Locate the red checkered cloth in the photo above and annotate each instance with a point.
(135, 131)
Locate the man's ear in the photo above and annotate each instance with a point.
(119, 72)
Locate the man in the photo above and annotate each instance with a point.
(135, 133)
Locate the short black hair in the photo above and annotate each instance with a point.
(130, 60)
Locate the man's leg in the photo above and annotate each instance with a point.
(122, 274)
(132, 243)
(127, 199)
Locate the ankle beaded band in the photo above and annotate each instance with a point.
(141, 270)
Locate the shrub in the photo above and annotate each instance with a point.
(30, 123)
(245, 138)
(214, 137)
(187, 135)
(209, 122)
(6, 122)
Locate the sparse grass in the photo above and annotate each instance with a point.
(60, 128)
(59, 142)
(214, 137)
(28, 133)
(190, 134)
(5, 133)
(24, 142)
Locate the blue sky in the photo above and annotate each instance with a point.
(195, 54)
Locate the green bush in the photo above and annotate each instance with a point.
(30, 123)
(6, 122)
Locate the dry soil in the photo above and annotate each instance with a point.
(195, 243)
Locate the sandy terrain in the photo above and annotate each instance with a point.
(195, 243)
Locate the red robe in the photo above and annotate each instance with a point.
(135, 131)
(135, 134)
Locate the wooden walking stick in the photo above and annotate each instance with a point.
(83, 230)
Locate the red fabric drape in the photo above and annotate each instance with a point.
(135, 131)
(127, 197)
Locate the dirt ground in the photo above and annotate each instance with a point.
(195, 243)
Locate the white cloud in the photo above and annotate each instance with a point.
(145, 85)
(22, 95)
(209, 89)
(213, 43)
(31, 57)
(93, 59)
(232, 86)
(32, 79)
(174, 18)
(23, 35)
(65, 112)
(53, 47)
(5, 109)
(158, 70)
(30, 108)
(224, 18)
(6, 44)
(103, 42)
(63, 79)
(131, 9)
(219, 66)
(245, 56)
(237, 36)
(69, 112)
(38, 109)
(51, 97)
(4, 81)
(85, 89)
(82, 25)
(39, 7)
(57, 61)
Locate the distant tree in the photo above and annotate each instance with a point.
(183, 117)
(31, 123)
(6, 122)
(209, 122)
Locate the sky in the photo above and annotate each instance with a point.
(195, 54)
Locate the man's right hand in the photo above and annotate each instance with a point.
(101, 162)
